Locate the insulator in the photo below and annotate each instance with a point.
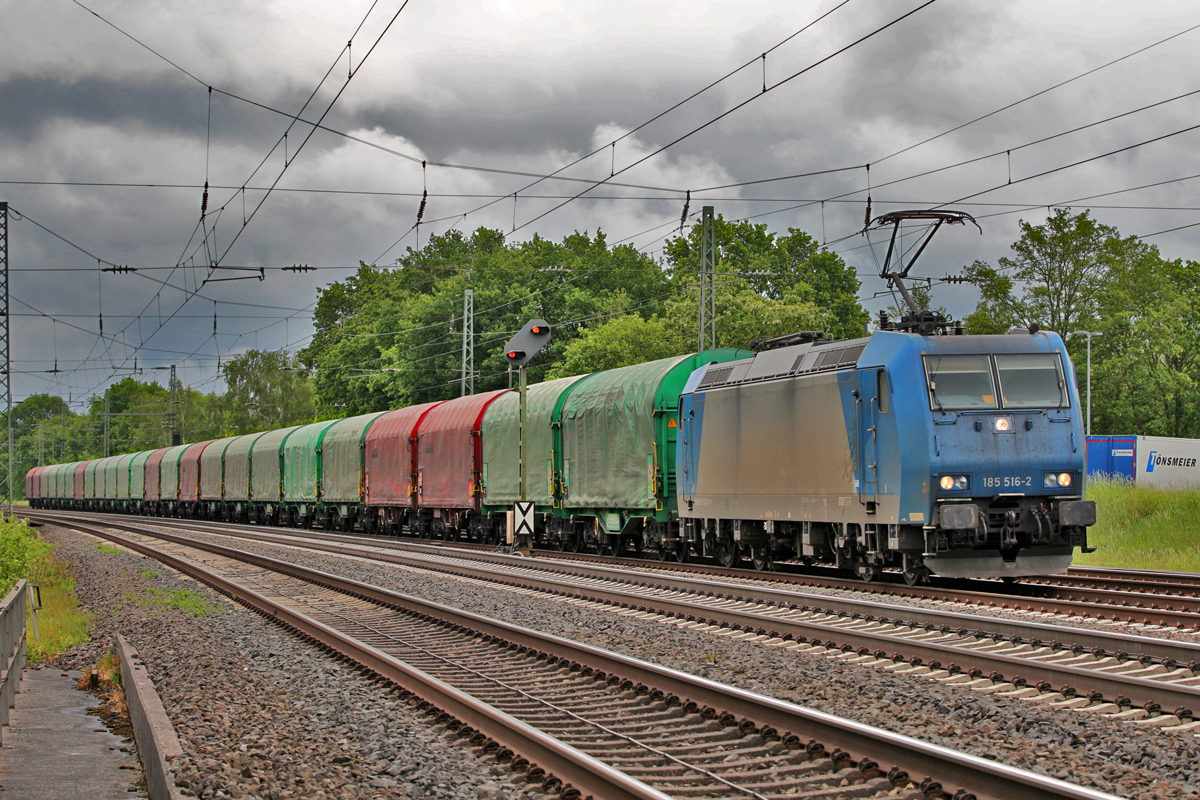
(421, 210)
(686, 202)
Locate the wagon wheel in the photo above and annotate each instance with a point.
(728, 552)
(917, 575)
(572, 543)
(762, 557)
(870, 574)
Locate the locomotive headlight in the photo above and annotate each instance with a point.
(952, 483)
(1056, 480)
(1002, 424)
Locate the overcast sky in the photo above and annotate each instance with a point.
(530, 86)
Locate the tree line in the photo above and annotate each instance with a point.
(392, 336)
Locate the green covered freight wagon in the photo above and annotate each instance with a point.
(168, 480)
(266, 473)
(501, 435)
(137, 478)
(342, 489)
(301, 455)
(616, 432)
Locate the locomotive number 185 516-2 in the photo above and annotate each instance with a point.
(1008, 482)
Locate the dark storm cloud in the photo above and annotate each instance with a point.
(531, 86)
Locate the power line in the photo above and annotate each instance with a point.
(744, 103)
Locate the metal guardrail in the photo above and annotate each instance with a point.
(12, 646)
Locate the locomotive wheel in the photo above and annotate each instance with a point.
(728, 553)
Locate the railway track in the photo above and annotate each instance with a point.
(1148, 680)
(1142, 602)
(606, 724)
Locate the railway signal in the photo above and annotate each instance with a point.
(520, 348)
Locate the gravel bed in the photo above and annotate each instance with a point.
(259, 713)
(1120, 758)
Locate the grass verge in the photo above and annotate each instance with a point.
(1144, 528)
(61, 623)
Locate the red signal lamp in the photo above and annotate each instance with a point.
(540, 330)
(515, 355)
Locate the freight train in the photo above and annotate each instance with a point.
(916, 449)
(954, 455)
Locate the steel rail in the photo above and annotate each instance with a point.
(986, 779)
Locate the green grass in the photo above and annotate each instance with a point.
(108, 548)
(61, 622)
(1144, 528)
(187, 601)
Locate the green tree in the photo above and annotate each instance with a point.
(1072, 272)
(1056, 277)
(792, 268)
(264, 390)
(392, 337)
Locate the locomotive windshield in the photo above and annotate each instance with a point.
(1033, 380)
(960, 382)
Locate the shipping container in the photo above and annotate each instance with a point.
(212, 469)
(137, 475)
(1158, 461)
(153, 484)
(390, 461)
(302, 462)
(266, 482)
(189, 471)
(501, 436)
(31, 483)
(448, 452)
(618, 433)
(81, 468)
(237, 467)
(342, 459)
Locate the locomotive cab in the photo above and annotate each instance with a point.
(1003, 452)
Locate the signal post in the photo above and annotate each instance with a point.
(519, 350)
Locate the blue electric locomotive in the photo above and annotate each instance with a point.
(951, 455)
(918, 449)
